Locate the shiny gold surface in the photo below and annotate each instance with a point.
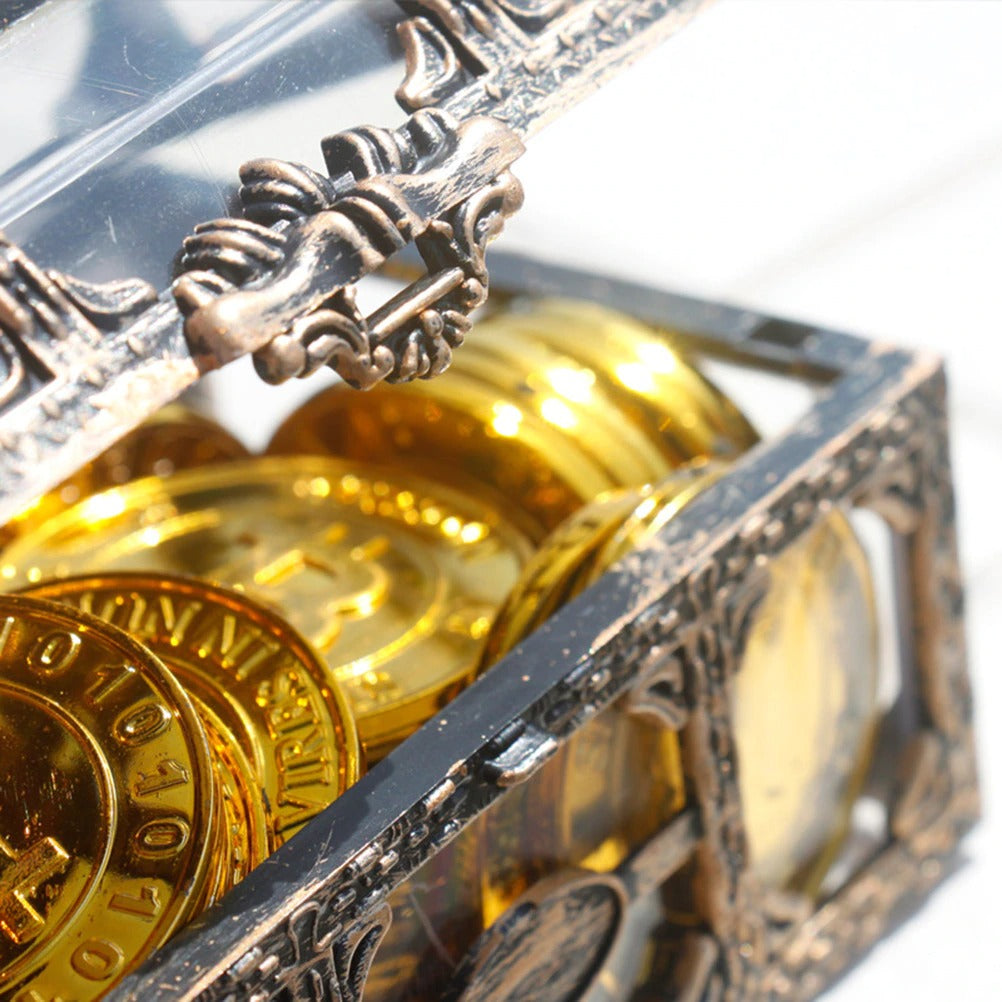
(805, 702)
(605, 792)
(586, 545)
(553, 574)
(636, 367)
(106, 803)
(242, 829)
(805, 705)
(580, 810)
(175, 438)
(395, 580)
(265, 687)
(544, 409)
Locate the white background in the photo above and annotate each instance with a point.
(837, 161)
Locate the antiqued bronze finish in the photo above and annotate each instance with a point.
(666, 629)
(521, 54)
(107, 803)
(307, 238)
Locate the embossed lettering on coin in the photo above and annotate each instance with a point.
(394, 579)
(257, 676)
(105, 802)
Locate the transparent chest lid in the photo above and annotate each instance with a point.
(127, 121)
(137, 253)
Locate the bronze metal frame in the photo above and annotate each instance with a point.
(666, 628)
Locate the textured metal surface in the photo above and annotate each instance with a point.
(79, 366)
(279, 283)
(305, 924)
(524, 62)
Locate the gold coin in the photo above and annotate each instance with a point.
(242, 841)
(587, 544)
(555, 572)
(175, 438)
(641, 369)
(541, 425)
(805, 697)
(805, 705)
(261, 681)
(106, 806)
(395, 580)
(576, 811)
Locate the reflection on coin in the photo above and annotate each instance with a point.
(805, 701)
(587, 544)
(805, 705)
(588, 352)
(105, 803)
(554, 573)
(392, 578)
(242, 829)
(175, 438)
(262, 682)
(534, 414)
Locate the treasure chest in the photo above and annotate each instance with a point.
(622, 660)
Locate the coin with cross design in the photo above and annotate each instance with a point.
(106, 803)
(394, 579)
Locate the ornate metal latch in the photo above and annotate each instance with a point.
(80, 365)
(285, 272)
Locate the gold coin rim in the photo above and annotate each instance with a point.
(184, 902)
(350, 765)
(381, 728)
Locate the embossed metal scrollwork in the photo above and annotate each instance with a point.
(446, 42)
(44, 312)
(287, 269)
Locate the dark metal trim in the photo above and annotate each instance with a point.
(877, 438)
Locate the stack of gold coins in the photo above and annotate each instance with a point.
(393, 573)
(393, 579)
(283, 737)
(544, 410)
(162, 736)
(137, 791)
(804, 699)
(109, 805)
(311, 608)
